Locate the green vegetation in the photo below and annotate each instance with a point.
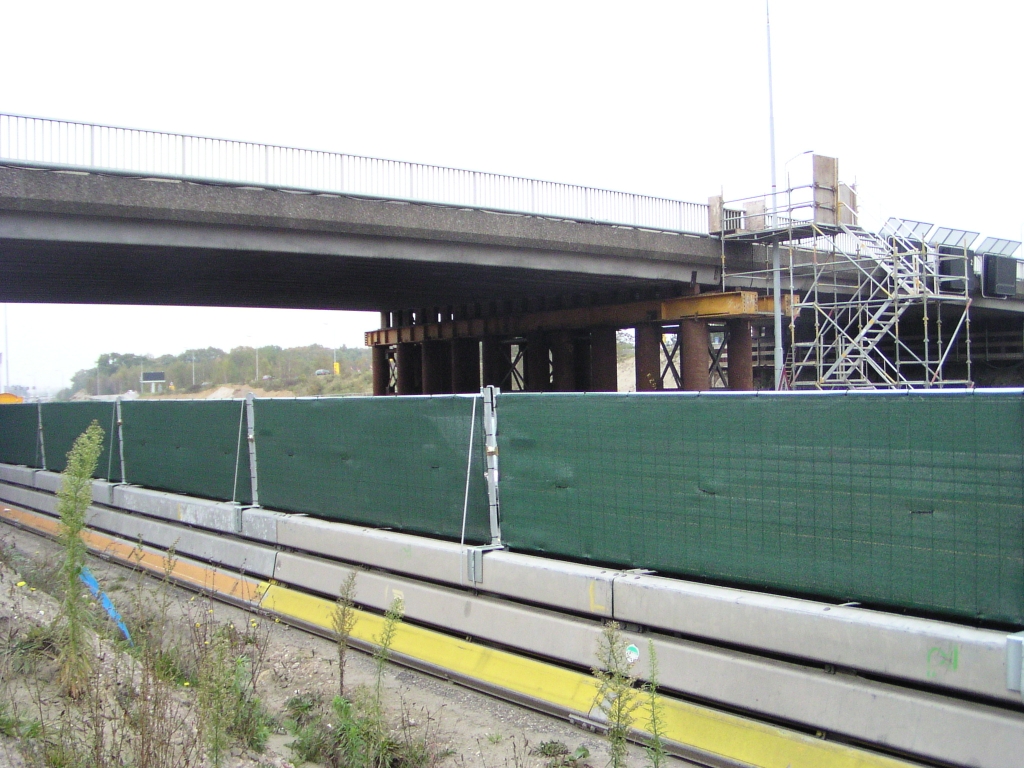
(75, 495)
(355, 732)
(291, 369)
(559, 756)
(657, 756)
(343, 620)
(617, 696)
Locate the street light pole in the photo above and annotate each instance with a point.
(779, 362)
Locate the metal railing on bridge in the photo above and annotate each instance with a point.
(38, 141)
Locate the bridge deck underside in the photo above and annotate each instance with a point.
(61, 272)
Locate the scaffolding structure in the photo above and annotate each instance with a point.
(872, 310)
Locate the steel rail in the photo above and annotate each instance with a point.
(45, 142)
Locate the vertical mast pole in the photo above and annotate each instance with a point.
(776, 261)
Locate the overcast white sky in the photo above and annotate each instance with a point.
(920, 101)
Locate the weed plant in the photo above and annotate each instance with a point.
(75, 495)
(655, 748)
(343, 621)
(617, 696)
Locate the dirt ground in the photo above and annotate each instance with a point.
(479, 730)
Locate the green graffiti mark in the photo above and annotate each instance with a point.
(946, 660)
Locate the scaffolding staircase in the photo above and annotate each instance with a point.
(872, 310)
(860, 288)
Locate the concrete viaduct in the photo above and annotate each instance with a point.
(467, 296)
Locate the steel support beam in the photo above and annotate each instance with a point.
(741, 355)
(648, 357)
(720, 306)
(696, 360)
(603, 361)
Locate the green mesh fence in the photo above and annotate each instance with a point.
(905, 500)
(64, 422)
(187, 446)
(19, 434)
(386, 462)
(895, 499)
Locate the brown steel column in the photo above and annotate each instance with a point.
(497, 359)
(604, 364)
(381, 373)
(696, 360)
(563, 362)
(408, 361)
(648, 358)
(465, 365)
(538, 374)
(433, 367)
(741, 356)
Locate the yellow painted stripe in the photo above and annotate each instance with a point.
(200, 576)
(707, 730)
(730, 736)
(516, 673)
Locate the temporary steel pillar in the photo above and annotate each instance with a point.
(741, 355)
(497, 359)
(381, 370)
(696, 358)
(648, 357)
(465, 365)
(563, 362)
(538, 372)
(408, 360)
(434, 359)
(604, 375)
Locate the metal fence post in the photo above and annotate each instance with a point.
(120, 440)
(490, 396)
(251, 432)
(41, 442)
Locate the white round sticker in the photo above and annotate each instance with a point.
(632, 654)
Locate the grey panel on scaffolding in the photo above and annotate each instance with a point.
(246, 558)
(15, 494)
(12, 473)
(931, 652)
(215, 515)
(920, 723)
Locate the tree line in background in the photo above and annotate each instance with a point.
(196, 370)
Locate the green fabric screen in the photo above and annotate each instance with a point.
(19, 434)
(187, 446)
(895, 499)
(390, 462)
(64, 422)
